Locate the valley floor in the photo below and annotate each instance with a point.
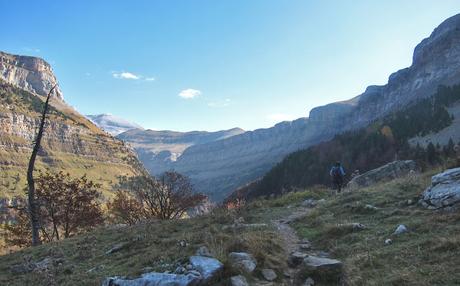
(428, 254)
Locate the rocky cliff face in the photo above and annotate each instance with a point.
(71, 143)
(29, 73)
(221, 166)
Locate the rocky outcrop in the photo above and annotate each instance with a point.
(390, 171)
(221, 166)
(112, 124)
(444, 191)
(28, 73)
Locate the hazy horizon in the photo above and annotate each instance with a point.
(206, 65)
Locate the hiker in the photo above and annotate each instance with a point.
(337, 174)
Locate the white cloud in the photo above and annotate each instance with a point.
(223, 103)
(278, 117)
(125, 75)
(149, 78)
(189, 93)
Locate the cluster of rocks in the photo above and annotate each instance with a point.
(200, 269)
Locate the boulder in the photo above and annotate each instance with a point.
(210, 268)
(321, 267)
(242, 261)
(239, 280)
(269, 274)
(400, 229)
(296, 258)
(444, 191)
(155, 279)
(393, 170)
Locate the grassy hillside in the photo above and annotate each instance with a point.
(71, 143)
(426, 255)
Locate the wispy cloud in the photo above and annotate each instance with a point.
(189, 93)
(278, 117)
(125, 75)
(31, 50)
(223, 103)
(149, 78)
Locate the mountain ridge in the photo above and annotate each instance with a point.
(235, 161)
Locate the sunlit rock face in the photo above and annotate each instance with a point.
(29, 73)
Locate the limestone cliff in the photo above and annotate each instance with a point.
(28, 73)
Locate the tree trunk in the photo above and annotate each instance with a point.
(33, 208)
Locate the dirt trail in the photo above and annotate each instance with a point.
(290, 238)
(288, 234)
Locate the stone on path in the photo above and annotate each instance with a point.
(269, 274)
(239, 280)
(209, 268)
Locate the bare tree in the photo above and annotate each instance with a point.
(168, 197)
(33, 208)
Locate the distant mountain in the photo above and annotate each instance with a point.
(218, 167)
(158, 150)
(113, 124)
(71, 143)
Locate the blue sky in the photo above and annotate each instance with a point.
(210, 65)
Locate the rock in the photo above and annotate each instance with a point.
(189, 267)
(183, 243)
(393, 170)
(242, 261)
(155, 279)
(309, 203)
(116, 248)
(370, 208)
(203, 251)
(180, 270)
(444, 190)
(296, 258)
(321, 267)
(269, 274)
(210, 268)
(358, 226)
(96, 268)
(400, 229)
(305, 246)
(388, 241)
(309, 282)
(239, 280)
